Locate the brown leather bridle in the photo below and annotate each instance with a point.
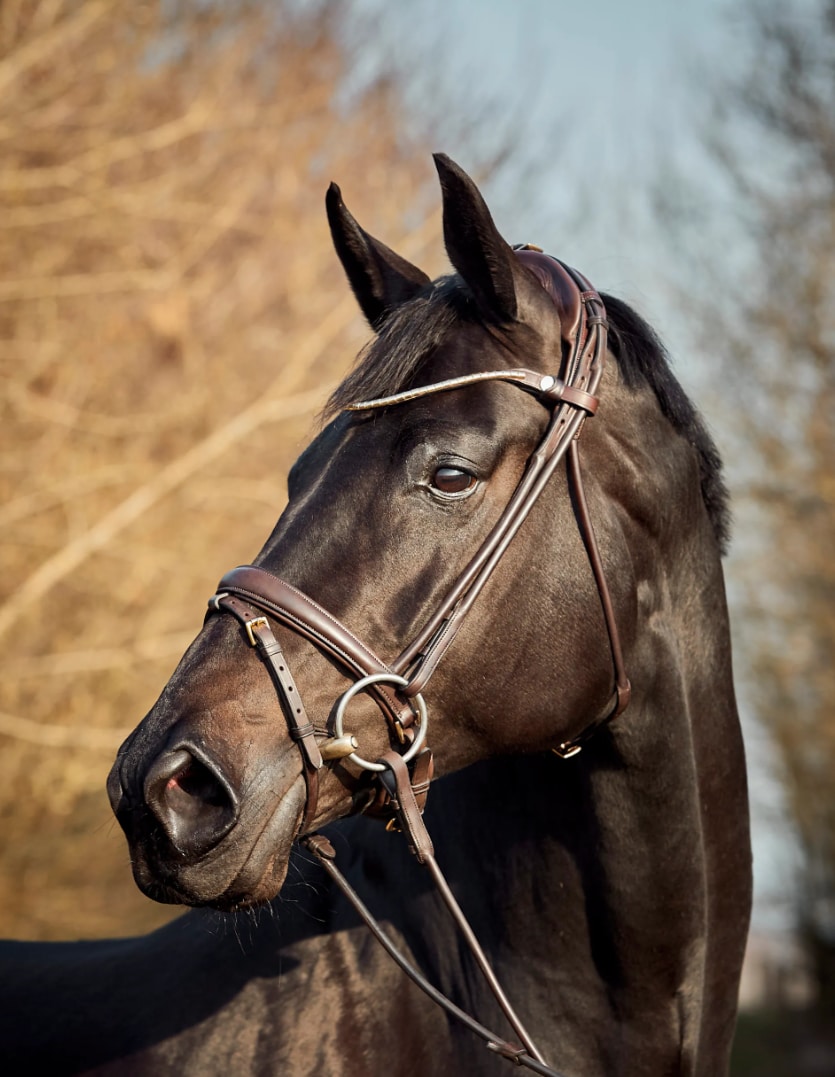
(252, 595)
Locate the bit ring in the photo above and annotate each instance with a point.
(365, 682)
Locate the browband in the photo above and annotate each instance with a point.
(549, 389)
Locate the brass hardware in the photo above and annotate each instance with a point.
(399, 730)
(566, 750)
(392, 826)
(256, 622)
(339, 747)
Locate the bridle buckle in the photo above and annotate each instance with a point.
(566, 750)
(256, 622)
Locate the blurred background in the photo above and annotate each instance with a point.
(172, 318)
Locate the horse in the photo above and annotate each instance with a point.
(552, 730)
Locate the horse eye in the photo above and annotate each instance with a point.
(453, 480)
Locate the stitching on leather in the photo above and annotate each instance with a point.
(280, 612)
(307, 629)
(307, 599)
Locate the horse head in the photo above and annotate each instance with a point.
(259, 736)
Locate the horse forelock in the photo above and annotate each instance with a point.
(390, 362)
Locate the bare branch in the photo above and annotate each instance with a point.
(44, 46)
(59, 736)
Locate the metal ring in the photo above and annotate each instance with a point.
(378, 678)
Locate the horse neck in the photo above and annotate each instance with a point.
(615, 882)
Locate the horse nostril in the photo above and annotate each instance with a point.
(191, 800)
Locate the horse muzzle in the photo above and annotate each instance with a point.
(192, 843)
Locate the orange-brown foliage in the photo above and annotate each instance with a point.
(171, 319)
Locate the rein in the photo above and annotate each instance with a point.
(251, 594)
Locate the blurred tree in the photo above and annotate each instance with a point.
(771, 319)
(171, 318)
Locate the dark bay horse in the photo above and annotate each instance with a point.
(447, 525)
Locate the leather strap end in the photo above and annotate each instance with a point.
(399, 787)
(624, 694)
(320, 846)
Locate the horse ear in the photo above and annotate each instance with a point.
(485, 261)
(380, 279)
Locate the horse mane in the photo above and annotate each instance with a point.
(391, 360)
(642, 358)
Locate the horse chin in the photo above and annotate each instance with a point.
(240, 872)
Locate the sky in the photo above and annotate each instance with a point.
(603, 103)
(599, 98)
